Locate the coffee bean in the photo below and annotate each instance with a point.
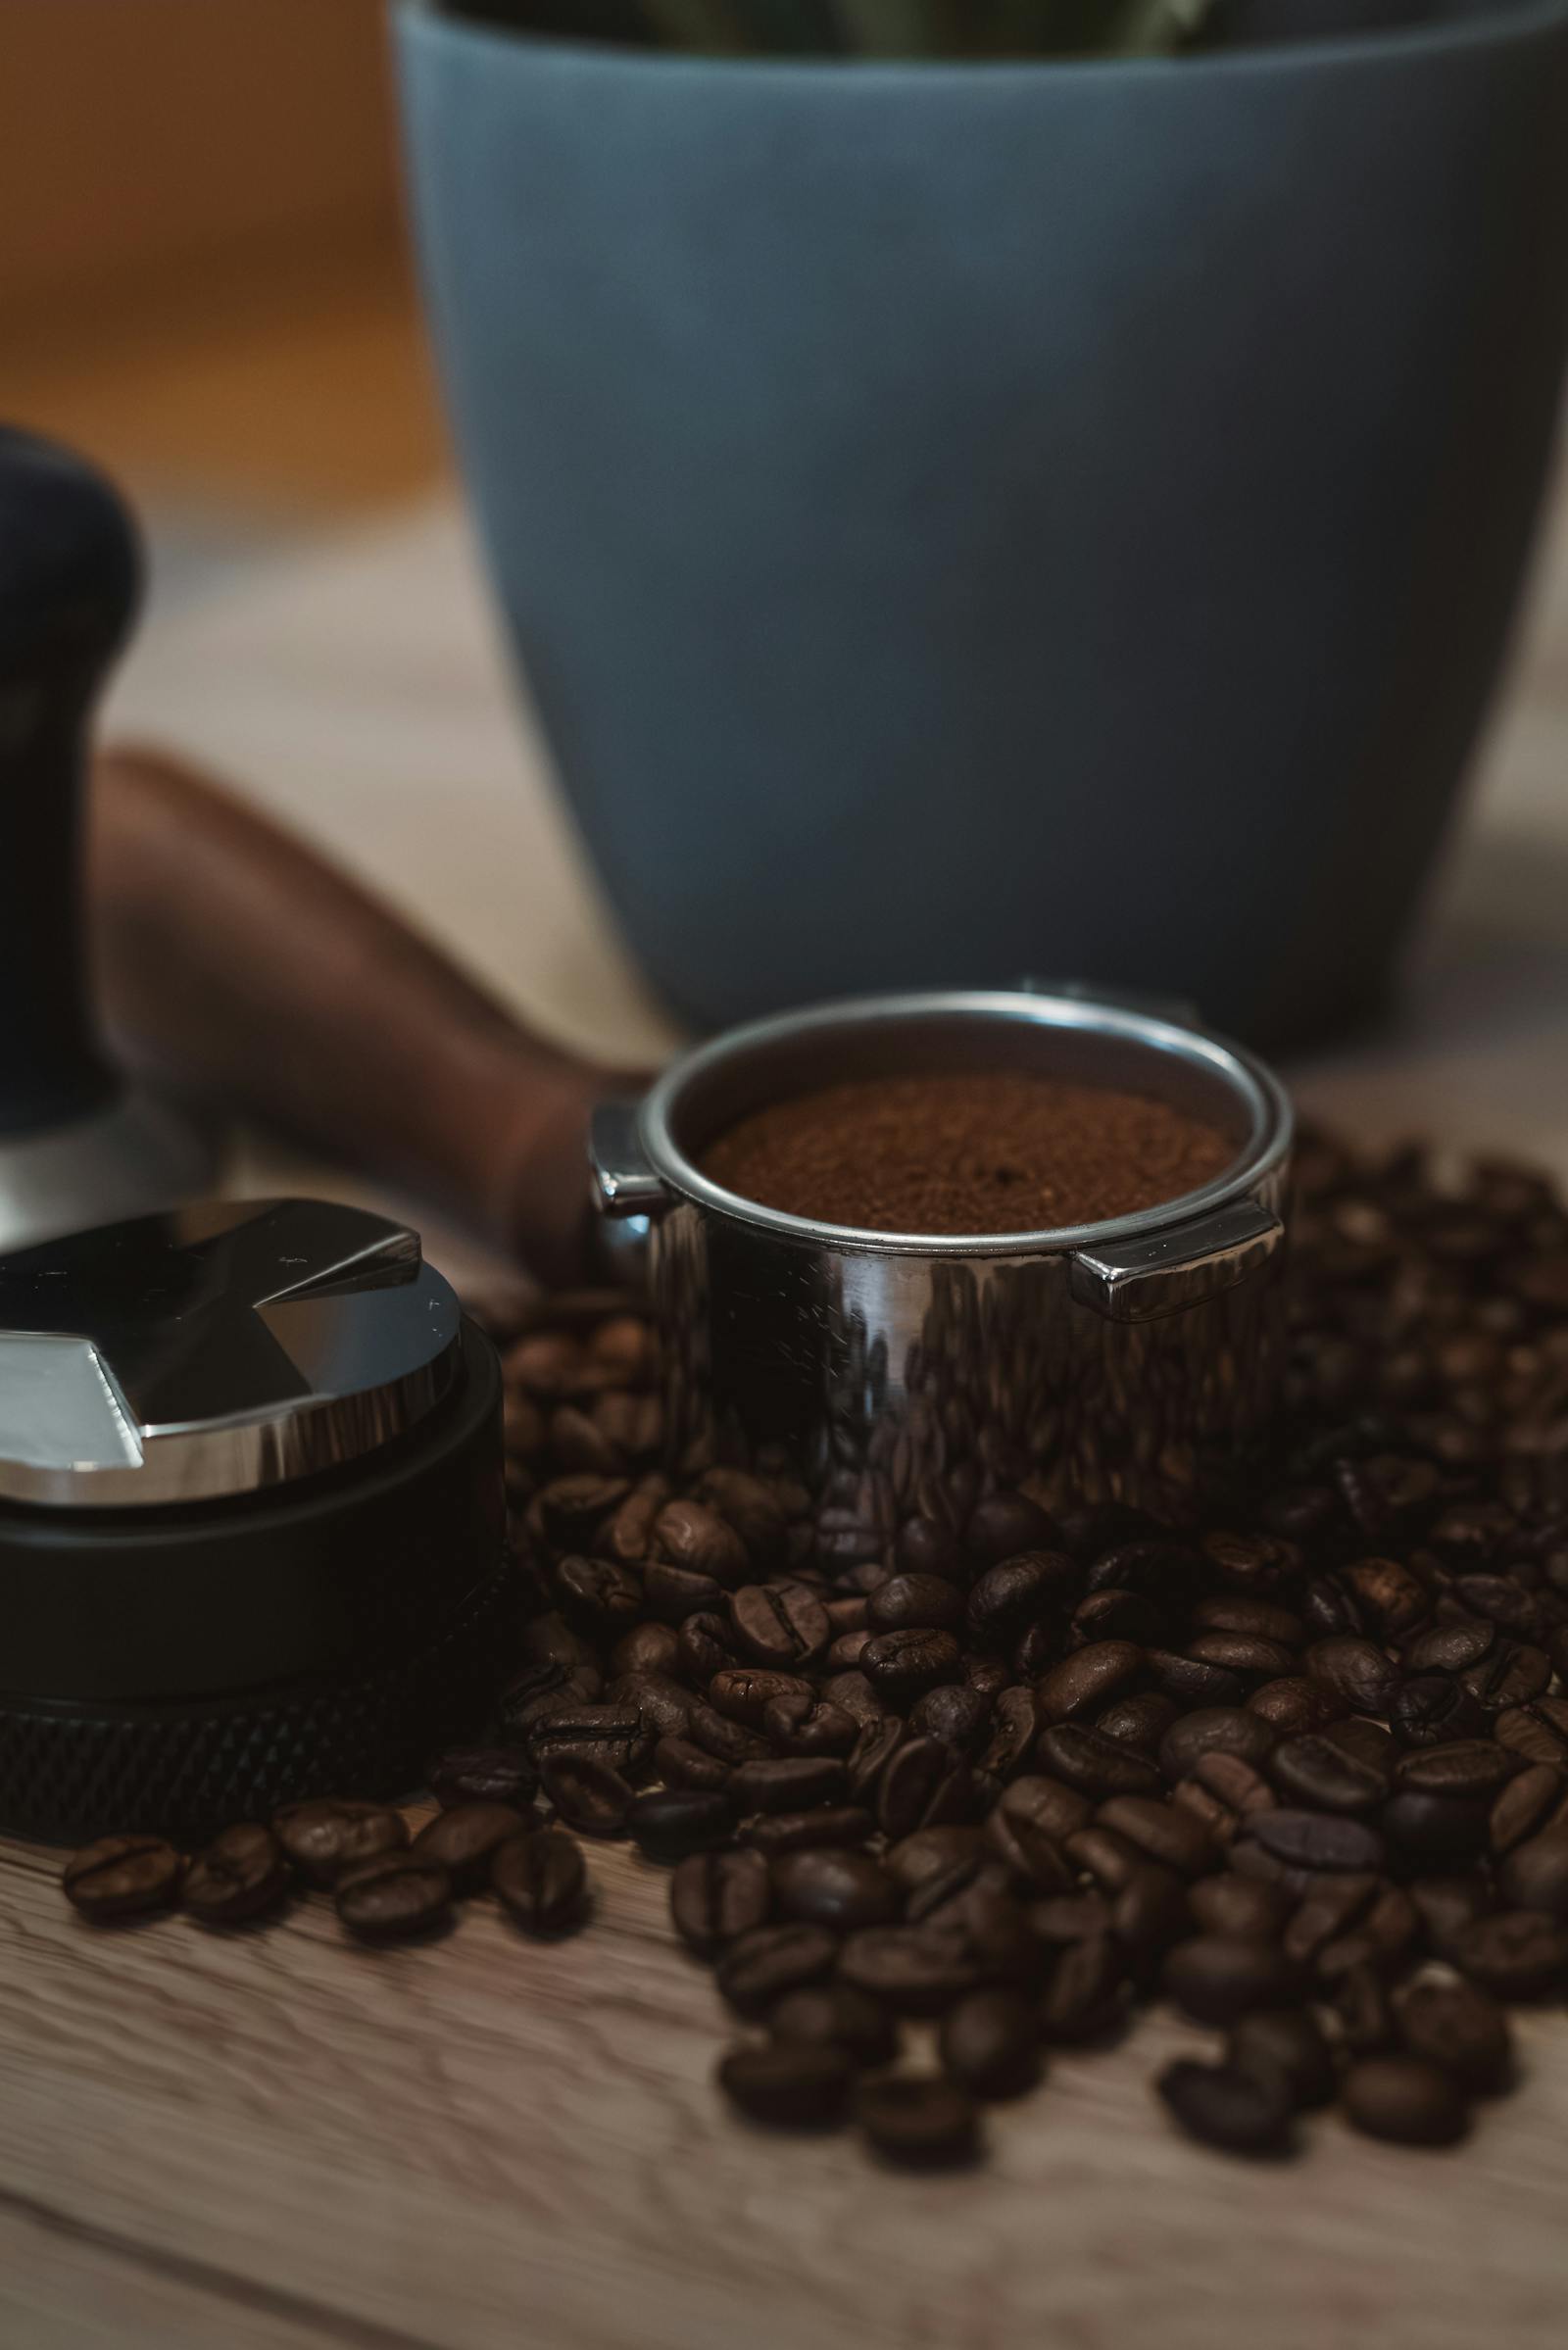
(914, 1970)
(1363, 2009)
(1455, 2025)
(1288, 2044)
(1006, 1524)
(662, 1706)
(681, 1762)
(1087, 1680)
(855, 1694)
(590, 1796)
(1448, 1647)
(1383, 1937)
(1435, 1710)
(1240, 2111)
(1538, 1732)
(783, 1625)
(1237, 1907)
(466, 1840)
(545, 1692)
(597, 1594)
(1406, 2099)
(573, 1508)
(759, 1965)
(1064, 1918)
(1161, 1831)
(1356, 1670)
(877, 1743)
(1014, 1725)
(908, 1602)
(729, 1743)
(241, 1875)
(1215, 1730)
(1515, 1954)
(989, 2043)
(789, 1782)
(1446, 1904)
(808, 1725)
(1509, 1674)
(932, 1852)
(394, 1898)
(744, 1693)
(1094, 1764)
(839, 1826)
(1223, 1792)
(1085, 1993)
(1390, 1598)
(1309, 1840)
(540, 1880)
(611, 1738)
(917, 2121)
(1312, 1770)
(1244, 1653)
(1048, 1804)
(647, 1648)
(324, 1837)
(1141, 1719)
(1149, 1911)
(691, 1535)
(1534, 1874)
(484, 1775)
(1189, 1682)
(1537, 1800)
(1097, 1853)
(792, 2086)
(701, 1647)
(922, 1785)
(1214, 1979)
(834, 2015)
(900, 1664)
(715, 1897)
(1033, 1860)
(1332, 1906)
(1472, 1768)
(1295, 1704)
(668, 1822)
(1016, 1594)
(956, 1715)
(845, 1891)
(122, 1877)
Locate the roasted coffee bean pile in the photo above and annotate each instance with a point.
(386, 1884)
(1302, 1772)
(978, 1153)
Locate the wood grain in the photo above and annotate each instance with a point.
(489, 2141)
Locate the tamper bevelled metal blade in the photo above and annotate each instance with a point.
(217, 1350)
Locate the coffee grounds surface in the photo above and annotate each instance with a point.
(994, 1152)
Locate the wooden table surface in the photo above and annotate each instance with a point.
(274, 2139)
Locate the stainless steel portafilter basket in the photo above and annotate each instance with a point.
(905, 1375)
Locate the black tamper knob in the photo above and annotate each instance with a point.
(76, 1146)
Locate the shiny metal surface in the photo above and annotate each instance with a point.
(217, 1350)
(904, 1376)
(138, 1154)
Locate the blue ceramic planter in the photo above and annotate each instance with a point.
(960, 520)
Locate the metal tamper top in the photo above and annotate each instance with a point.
(251, 1517)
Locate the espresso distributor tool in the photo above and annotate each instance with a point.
(252, 1521)
(907, 1379)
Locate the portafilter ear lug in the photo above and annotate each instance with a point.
(1179, 1009)
(625, 1182)
(1140, 1280)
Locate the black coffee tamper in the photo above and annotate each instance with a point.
(252, 1518)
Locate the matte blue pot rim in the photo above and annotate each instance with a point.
(1483, 29)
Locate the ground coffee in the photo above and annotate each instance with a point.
(954, 1154)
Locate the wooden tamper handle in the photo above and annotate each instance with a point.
(258, 975)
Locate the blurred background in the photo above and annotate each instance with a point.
(204, 276)
(206, 284)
